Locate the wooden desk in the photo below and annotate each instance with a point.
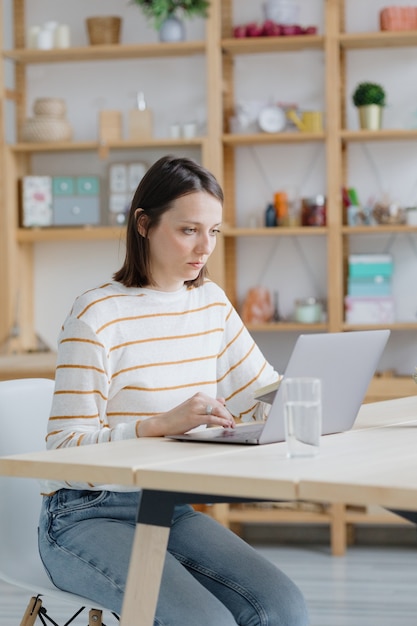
(375, 463)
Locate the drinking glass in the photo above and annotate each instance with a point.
(302, 413)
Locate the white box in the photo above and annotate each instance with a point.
(37, 201)
(136, 173)
(118, 178)
(376, 310)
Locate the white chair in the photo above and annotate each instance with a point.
(24, 409)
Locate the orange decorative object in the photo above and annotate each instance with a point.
(398, 18)
(281, 207)
(257, 308)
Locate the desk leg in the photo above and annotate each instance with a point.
(149, 549)
(142, 587)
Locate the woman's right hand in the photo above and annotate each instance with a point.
(197, 410)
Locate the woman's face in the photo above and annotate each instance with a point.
(183, 240)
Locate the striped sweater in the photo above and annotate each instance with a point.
(125, 354)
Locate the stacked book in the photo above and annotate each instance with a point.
(369, 289)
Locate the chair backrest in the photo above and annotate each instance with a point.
(24, 410)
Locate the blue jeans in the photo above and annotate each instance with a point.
(211, 577)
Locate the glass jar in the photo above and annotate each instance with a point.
(313, 212)
(308, 311)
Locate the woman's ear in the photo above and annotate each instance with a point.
(141, 222)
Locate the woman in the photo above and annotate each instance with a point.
(159, 351)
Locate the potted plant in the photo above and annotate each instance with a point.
(166, 15)
(369, 98)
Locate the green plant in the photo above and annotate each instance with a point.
(159, 10)
(368, 93)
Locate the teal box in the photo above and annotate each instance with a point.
(370, 265)
(63, 186)
(88, 185)
(369, 287)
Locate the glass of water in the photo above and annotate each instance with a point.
(302, 413)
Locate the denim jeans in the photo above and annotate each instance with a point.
(211, 577)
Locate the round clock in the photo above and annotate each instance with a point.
(272, 119)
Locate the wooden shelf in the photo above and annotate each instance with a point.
(105, 53)
(378, 39)
(256, 45)
(393, 326)
(74, 146)
(379, 230)
(287, 327)
(244, 139)
(386, 134)
(279, 231)
(389, 387)
(68, 233)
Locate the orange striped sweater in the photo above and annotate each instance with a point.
(125, 354)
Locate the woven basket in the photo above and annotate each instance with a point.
(54, 107)
(43, 128)
(103, 30)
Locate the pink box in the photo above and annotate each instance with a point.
(369, 310)
(398, 18)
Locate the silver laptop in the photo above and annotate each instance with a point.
(345, 362)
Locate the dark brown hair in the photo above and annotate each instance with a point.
(165, 181)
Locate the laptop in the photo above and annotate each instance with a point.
(345, 362)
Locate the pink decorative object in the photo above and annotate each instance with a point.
(398, 18)
(258, 307)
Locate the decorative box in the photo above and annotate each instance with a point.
(36, 201)
(76, 211)
(370, 265)
(369, 310)
(123, 181)
(76, 200)
(398, 18)
(63, 186)
(369, 286)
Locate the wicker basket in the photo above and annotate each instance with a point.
(54, 107)
(44, 129)
(103, 30)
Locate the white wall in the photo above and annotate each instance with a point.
(176, 91)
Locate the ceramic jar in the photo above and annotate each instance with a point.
(172, 29)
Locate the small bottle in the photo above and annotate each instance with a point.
(62, 36)
(33, 36)
(45, 39)
(270, 216)
(281, 207)
(140, 120)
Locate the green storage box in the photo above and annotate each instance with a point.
(63, 186)
(88, 185)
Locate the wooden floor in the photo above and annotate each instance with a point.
(370, 586)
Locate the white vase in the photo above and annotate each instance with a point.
(172, 29)
(281, 11)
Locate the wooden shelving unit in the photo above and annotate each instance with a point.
(16, 159)
(336, 138)
(218, 150)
